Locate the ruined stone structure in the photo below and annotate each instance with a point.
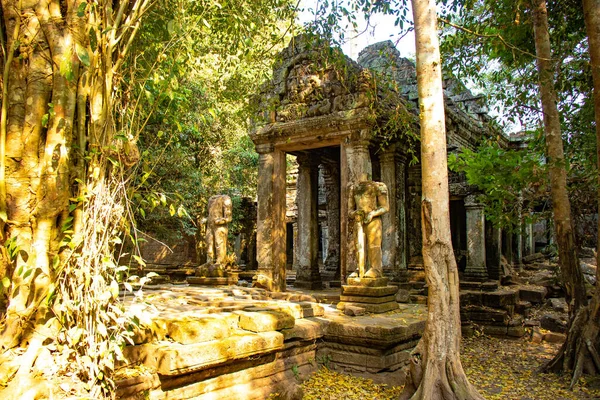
(343, 119)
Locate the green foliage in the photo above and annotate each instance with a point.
(509, 180)
(195, 68)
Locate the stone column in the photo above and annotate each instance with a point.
(528, 239)
(295, 245)
(402, 252)
(389, 221)
(331, 175)
(307, 274)
(358, 159)
(493, 250)
(475, 269)
(517, 247)
(270, 229)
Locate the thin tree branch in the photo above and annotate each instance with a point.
(490, 36)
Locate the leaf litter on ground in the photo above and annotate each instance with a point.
(499, 368)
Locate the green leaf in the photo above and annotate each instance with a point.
(81, 9)
(93, 39)
(82, 54)
(139, 260)
(6, 282)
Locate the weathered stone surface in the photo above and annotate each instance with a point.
(265, 321)
(361, 360)
(367, 299)
(354, 311)
(212, 281)
(296, 310)
(470, 297)
(468, 285)
(559, 305)
(348, 290)
(254, 382)
(187, 330)
(377, 331)
(536, 335)
(177, 359)
(403, 296)
(516, 331)
(533, 258)
(376, 308)
(137, 384)
(552, 337)
(480, 314)
(370, 282)
(489, 286)
(499, 298)
(304, 329)
(533, 294)
(495, 330)
(553, 323)
(522, 307)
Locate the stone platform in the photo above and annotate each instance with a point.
(372, 295)
(246, 343)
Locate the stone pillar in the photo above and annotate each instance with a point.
(295, 245)
(493, 250)
(307, 274)
(517, 247)
(331, 175)
(402, 252)
(528, 239)
(389, 221)
(270, 229)
(358, 159)
(475, 269)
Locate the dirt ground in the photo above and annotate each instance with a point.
(499, 368)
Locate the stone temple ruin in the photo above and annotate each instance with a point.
(324, 123)
(342, 119)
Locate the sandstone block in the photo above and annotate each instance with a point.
(176, 359)
(265, 321)
(552, 337)
(370, 308)
(354, 311)
(367, 299)
(348, 290)
(553, 323)
(304, 329)
(188, 330)
(370, 282)
(533, 294)
(516, 331)
(499, 298)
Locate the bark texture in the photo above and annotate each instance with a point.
(58, 96)
(435, 370)
(578, 353)
(561, 207)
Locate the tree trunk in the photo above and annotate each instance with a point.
(435, 370)
(572, 277)
(37, 153)
(57, 96)
(580, 351)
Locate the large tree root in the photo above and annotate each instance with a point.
(437, 379)
(579, 354)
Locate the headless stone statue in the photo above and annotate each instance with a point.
(219, 216)
(368, 200)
